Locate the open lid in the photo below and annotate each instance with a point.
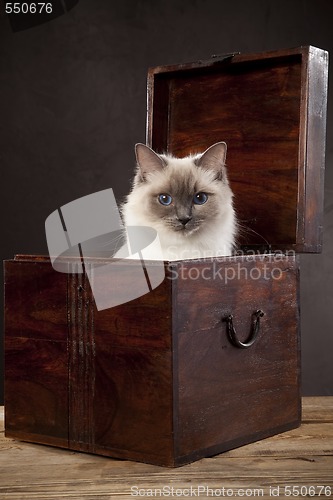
(270, 109)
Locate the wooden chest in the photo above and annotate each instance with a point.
(209, 359)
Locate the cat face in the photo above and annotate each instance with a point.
(182, 196)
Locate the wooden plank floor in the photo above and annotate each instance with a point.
(295, 464)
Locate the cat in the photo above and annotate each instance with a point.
(188, 201)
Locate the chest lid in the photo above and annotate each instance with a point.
(270, 109)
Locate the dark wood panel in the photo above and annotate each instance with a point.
(271, 110)
(227, 394)
(153, 379)
(36, 390)
(143, 322)
(35, 300)
(133, 404)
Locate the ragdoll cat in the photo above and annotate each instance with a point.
(188, 202)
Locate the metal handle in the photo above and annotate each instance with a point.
(224, 57)
(255, 326)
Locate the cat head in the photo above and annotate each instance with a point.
(182, 196)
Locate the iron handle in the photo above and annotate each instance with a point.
(255, 326)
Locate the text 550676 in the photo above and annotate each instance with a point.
(28, 8)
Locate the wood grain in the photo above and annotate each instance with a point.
(226, 395)
(270, 109)
(156, 379)
(302, 457)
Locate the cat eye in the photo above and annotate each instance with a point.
(165, 199)
(200, 198)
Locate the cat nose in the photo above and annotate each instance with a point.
(184, 220)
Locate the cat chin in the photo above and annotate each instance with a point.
(184, 233)
(195, 246)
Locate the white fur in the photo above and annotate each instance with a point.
(213, 238)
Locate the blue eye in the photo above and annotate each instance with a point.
(165, 199)
(200, 198)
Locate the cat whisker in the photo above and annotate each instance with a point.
(243, 230)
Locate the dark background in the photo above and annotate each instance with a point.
(73, 104)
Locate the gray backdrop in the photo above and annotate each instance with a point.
(73, 103)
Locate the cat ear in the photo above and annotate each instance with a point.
(148, 161)
(214, 159)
